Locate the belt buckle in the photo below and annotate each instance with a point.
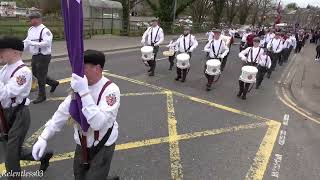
(85, 166)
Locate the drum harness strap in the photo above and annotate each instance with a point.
(83, 139)
(214, 51)
(4, 126)
(184, 43)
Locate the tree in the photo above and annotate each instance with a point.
(230, 10)
(292, 6)
(255, 10)
(164, 10)
(218, 6)
(200, 10)
(244, 9)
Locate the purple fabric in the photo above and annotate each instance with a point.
(73, 28)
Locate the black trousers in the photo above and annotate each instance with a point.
(299, 46)
(274, 59)
(318, 55)
(260, 75)
(153, 63)
(242, 46)
(182, 73)
(210, 78)
(99, 165)
(40, 65)
(224, 62)
(171, 60)
(243, 88)
(18, 128)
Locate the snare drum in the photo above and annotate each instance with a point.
(213, 67)
(147, 53)
(249, 74)
(168, 53)
(183, 61)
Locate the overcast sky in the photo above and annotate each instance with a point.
(303, 3)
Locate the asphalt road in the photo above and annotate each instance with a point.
(174, 130)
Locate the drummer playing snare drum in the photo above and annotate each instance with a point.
(217, 49)
(185, 44)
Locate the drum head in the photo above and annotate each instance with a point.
(213, 62)
(183, 57)
(147, 49)
(250, 69)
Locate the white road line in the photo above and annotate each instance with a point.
(282, 137)
(286, 119)
(276, 165)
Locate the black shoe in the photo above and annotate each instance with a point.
(183, 80)
(53, 88)
(45, 161)
(243, 97)
(151, 74)
(208, 88)
(239, 94)
(149, 70)
(177, 78)
(39, 100)
(269, 76)
(113, 178)
(257, 87)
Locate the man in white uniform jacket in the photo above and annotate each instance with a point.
(153, 36)
(101, 101)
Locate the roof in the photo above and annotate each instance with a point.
(105, 4)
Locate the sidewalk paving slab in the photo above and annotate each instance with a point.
(305, 85)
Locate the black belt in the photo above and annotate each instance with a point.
(42, 55)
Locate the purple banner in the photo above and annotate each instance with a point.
(73, 28)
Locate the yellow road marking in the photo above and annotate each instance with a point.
(260, 162)
(32, 139)
(155, 141)
(296, 109)
(176, 167)
(286, 97)
(219, 106)
(220, 131)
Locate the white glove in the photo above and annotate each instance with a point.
(244, 59)
(39, 148)
(79, 84)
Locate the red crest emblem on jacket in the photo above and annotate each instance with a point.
(111, 99)
(21, 80)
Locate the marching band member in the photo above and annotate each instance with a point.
(153, 36)
(286, 47)
(15, 86)
(263, 65)
(270, 35)
(186, 43)
(100, 99)
(243, 42)
(251, 56)
(293, 42)
(172, 47)
(250, 38)
(228, 40)
(275, 47)
(217, 49)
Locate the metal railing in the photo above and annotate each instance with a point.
(93, 26)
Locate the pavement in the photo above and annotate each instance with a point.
(305, 85)
(174, 130)
(104, 43)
